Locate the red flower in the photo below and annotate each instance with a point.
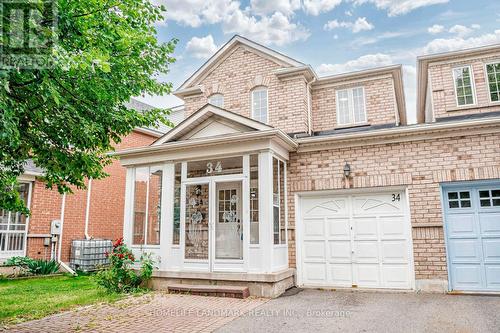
(106, 254)
(118, 242)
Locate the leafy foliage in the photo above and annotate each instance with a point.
(120, 277)
(34, 266)
(66, 118)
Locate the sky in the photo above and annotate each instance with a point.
(333, 36)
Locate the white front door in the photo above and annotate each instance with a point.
(361, 240)
(213, 225)
(228, 221)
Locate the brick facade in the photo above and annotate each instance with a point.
(443, 87)
(420, 166)
(105, 213)
(242, 71)
(379, 96)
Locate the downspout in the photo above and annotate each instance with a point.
(309, 106)
(63, 265)
(87, 210)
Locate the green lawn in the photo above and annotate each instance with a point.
(34, 298)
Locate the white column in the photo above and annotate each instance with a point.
(129, 206)
(167, 213)
(266, 209)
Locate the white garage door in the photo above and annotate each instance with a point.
(355, 241)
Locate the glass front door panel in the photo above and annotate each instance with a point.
(197, 217)
(229, 222)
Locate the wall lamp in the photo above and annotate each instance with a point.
(347, 170)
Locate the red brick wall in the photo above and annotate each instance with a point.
(106, 207)
(420, 166)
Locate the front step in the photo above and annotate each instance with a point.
(209, 290)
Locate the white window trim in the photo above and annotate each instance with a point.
(487, 82)
(217, 94)
(473, 86)
(267, 102)
(351, 110)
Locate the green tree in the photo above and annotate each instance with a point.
(67, 117)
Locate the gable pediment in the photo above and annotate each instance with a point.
(211, 121)
(225, 51)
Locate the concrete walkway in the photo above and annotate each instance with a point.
(155, 312)
(344, 311)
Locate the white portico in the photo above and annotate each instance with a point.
(209, 200)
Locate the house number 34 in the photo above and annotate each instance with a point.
(211, 169)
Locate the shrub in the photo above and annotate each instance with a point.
(120, 276)
(34, 266)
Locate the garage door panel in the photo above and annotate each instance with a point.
(340, 251)
(365, 228)
(341, 275)
(378, 204)
(395, 275)
(394, 227)
(462, 225)
(339, 228)
(366, 252)
(490, 224)
(314, 250)
(315, 272)
(465, 250)
(491, 249)
(368, 275)
(364, 237)
(395, 252)
(314, 227)
(325, 207)
(473, 237)
(467, 276)
(493, 276)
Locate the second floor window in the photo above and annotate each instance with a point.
(351, 106)
(259, 104)
(493, 72)
(217, 100)
(464, 85)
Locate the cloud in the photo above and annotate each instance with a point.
(194, 13)
(264, 7)
(400, 7)
(363, 41)
(276, 29)
(201, 47)
(359, 25)
(363, 62)
(435, 29)
(316, 7)
(462, 30)
(456, 43)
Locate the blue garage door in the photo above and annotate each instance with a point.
(472, 227)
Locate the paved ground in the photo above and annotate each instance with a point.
(326, 311)
(306, 311)
(155, 312)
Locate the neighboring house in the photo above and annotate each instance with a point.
(279, 177)
(96, 212)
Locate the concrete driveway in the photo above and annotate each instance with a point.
(344, 311)
(306, 311)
